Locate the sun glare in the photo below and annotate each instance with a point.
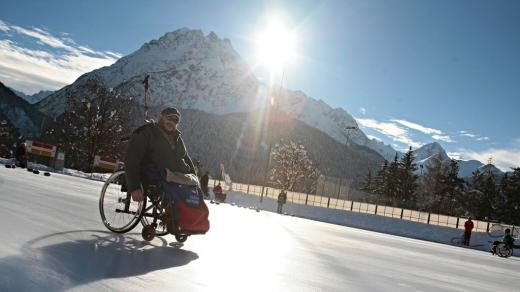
(276, 45)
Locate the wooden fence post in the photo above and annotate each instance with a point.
(429, 214)
(402, 210)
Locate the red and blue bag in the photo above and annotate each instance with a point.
(192, 212)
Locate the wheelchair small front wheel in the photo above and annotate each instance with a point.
(118, 211)
(181, 237)
(148, 232)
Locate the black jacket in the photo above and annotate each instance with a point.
(151, 147)
(20, 151)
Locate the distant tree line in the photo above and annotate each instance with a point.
(440, 190)
(8, 137)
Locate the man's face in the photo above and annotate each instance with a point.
(167, 124)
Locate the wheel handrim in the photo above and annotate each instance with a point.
(112, 199)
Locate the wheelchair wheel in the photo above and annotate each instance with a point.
(148, 232)
(504, 251)
(181, 237)
(118, 211)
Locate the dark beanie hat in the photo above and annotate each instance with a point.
(171, 112)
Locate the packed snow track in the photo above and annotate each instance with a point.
(53, 240)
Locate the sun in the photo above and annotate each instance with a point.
(275, 45)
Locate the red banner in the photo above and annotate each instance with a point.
(39, 148)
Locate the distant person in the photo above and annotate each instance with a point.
(204, 180)
(217, 189)
(508, 241)
(282, 199)
(21, 155)
(468, 227)
(220, 196)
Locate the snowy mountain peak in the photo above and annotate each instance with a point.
(490, 168)
(190, 70)
(187, 70)
(429, 151)
(425, 155)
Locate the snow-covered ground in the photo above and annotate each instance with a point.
(53, 240)
(394, 226)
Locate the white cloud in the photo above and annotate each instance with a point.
(434, 133)
(473, 136)
(391, 130)
(455, 155)
(57, 61)
(467, 134)
(3, 26)
(502, 158)
(363, 110)
(374, 138)
(444, 138)
(418, 127)
(42, 36)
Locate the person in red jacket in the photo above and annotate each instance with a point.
(217, 189)
(220, 196)
(468, 226)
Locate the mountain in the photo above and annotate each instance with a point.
(336, 122)
(466, 168)
(205, 77)
(425, 154)
(490, 168)
(243, 149)
(23, 116)
(186, 69)
(34, 98)
(193, 71)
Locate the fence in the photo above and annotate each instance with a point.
(360, 207)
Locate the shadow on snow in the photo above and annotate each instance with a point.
(66, 264)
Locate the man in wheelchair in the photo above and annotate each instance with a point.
(508, 241)
(156, 155)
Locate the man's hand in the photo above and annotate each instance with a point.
(137, 195)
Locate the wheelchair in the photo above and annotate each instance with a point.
(120, 214)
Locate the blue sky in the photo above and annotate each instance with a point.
(411, 72)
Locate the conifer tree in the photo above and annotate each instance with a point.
(453, 190)
(407, 181)
(482, 195)
(431, 185)
(368, 184)
(510, 211)
(382, 182)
